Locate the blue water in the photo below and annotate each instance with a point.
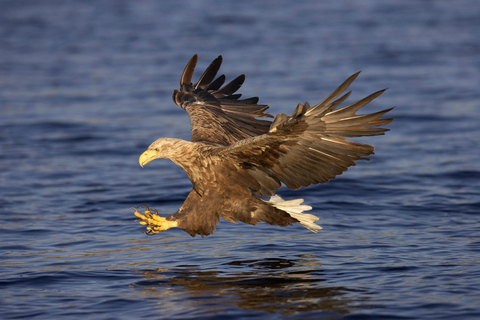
(85, 87)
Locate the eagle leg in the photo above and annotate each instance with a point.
(153, 221)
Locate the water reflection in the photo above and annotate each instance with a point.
(272, 285)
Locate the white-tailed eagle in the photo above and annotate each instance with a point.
(237, 155)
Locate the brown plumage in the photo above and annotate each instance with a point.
(234, 156)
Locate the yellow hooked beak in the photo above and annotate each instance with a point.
(146, 157)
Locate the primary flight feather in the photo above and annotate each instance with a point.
(237, 155)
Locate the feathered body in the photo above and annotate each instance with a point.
(234, 156)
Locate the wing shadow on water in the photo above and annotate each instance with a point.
(271, 285)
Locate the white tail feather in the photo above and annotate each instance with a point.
(295, 209)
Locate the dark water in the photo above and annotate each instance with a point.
(85, 87)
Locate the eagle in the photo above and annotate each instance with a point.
(237, 157)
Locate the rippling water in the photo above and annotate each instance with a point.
(85, 87)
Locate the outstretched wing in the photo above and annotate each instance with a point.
(217, 115)
(308, 147)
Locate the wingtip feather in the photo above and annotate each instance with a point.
(187, 74)
(210, 73)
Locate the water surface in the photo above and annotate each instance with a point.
(86, 86)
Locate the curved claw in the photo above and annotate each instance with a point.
(138, 214)
(147, 211)
(152, 220)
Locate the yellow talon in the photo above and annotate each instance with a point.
(158, 218)
(139, 215)
(153, 222)
(147, 209)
